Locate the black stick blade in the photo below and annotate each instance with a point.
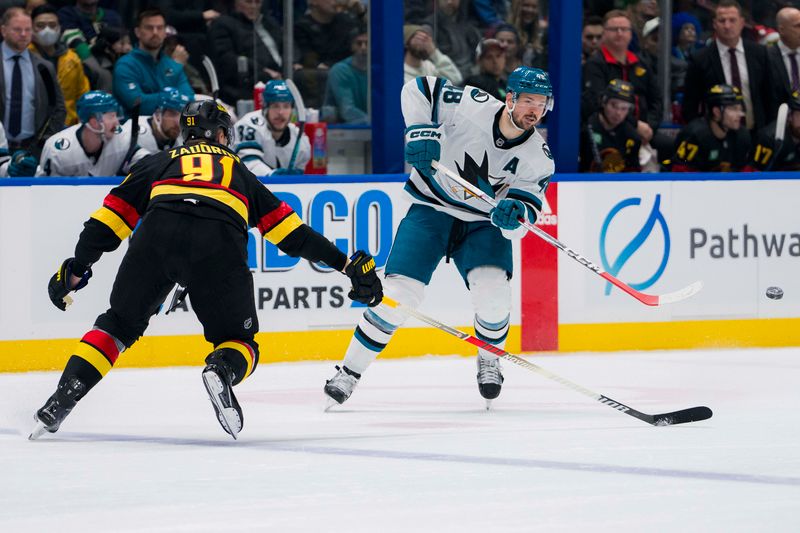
(693, 414)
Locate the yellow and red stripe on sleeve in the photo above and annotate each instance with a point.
(279, 223)
(221, 195)
(246, 352)
(99, 349)
(120, 216)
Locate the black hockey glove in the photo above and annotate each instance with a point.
(367, 288)
(58, 288)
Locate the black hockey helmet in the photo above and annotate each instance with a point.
(202, 119)
(621, 90)
(723, 95)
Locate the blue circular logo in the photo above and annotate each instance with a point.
(654, 218)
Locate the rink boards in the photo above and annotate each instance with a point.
(738, 237)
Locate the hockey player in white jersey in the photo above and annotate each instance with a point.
(19, 164)
(493, 145)
(97, 146)
(265, 139)
(162, 130)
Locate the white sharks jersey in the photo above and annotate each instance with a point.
(147, 139)
(473, 146)
(260, 152)
(63, 154)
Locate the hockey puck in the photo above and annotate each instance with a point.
(774, 293)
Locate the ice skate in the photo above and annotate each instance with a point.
(490, 378)
(217, 379)
(57, 407)
(339, 388)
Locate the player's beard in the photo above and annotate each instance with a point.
(526, 121)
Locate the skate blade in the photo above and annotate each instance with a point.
(329, 403)
(38, 431)
(488, 405)
(227, 416)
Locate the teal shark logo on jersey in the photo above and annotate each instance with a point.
(62, 144)
(477, 175)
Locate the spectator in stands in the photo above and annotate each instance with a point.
(609, 142)
(347, 91)
(422, 58)
(174, 48)
(491, 58)
(525, 18)
(639, 12)
(31, 105)
(591, 35)
(716, 142)
(456, 35)
(508, 37)
(141, 74)
(110, 45)
(650, 55)
(416, 11)
(712, 66)
(30, 5)
(784, 58)
(246, 48)
(686, 32)
(323, 35)
(615, 61)
(490, 13)
(772, 155)
(88, 18)
(69, 69)
(191, 19)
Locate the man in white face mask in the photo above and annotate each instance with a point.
(69, 70)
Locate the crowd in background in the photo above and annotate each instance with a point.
(133, 49)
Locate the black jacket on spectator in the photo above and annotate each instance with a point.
(603, 150)
(232, 36)
(486, 82)
(780, 81)
(601, 68)
(186, 16)
(51, 118)
(697, 149)
(324, 43)
(705, 71)
(457, 38)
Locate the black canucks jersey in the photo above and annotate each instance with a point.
(697, 149)
(211, 175)
(605, 150)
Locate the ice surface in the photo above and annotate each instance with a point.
(415, 450)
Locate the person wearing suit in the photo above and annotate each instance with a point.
(784, 57)
(25, 109)
(713, 65)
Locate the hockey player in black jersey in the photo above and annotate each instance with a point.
(770, 154)
(609, 142)
(717, 142)
(195, 204)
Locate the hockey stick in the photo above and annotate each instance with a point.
(301, 119)
(213, 80)
(133, 146)
(780, 133)
(682, 416)
(595, 151)
(647, 299)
